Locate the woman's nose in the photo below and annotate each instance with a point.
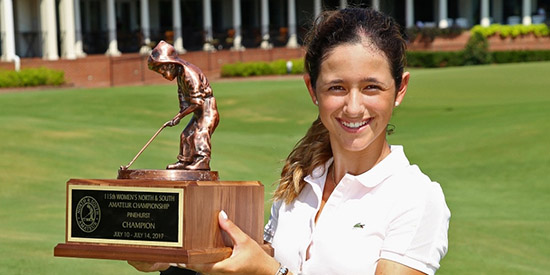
(354, 104)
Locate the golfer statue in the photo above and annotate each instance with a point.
(195, 97)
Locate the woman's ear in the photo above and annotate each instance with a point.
(307, 80)
(403, 88)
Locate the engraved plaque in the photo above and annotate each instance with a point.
(125, 215)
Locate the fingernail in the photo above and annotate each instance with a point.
(224, 215)
(182, 265)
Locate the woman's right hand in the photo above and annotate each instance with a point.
(149, 267)
(247, 257)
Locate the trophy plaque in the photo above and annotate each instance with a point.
(169, 215)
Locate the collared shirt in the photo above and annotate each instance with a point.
(393, 211)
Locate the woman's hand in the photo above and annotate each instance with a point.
(247, 257)
(149, 267)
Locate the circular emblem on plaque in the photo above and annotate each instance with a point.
(88, 214)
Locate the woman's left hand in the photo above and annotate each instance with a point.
(247, 257)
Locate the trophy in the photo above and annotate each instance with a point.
(166, 215)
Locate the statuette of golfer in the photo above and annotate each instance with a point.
(195, 97)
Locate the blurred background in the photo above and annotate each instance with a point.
(77, 101)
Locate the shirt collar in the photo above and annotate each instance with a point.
(384, 169)
(370, 178)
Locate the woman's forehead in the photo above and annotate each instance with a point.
(350, 54)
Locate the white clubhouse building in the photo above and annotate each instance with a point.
(70, 29)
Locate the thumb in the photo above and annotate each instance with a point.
(234, 232)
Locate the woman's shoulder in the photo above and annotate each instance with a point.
(412, 187)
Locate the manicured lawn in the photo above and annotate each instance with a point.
(482, 132)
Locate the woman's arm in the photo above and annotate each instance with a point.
(247, 257)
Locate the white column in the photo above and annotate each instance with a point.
(176, 17)
(292, 37)
(237, 46)
(207, 23)
(265, 26)
(111, 29)
(443, 23)
(375, 5)
(49, 30)
(78, 47)
(409, 13)
(7, 32)
(526, 12)
(317, 7)
(145, 27)
(485, 21)
(343, 4)
(67, 28)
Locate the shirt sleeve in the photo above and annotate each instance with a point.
(271, 226)
(417, 234)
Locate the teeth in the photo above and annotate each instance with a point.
(354, 124)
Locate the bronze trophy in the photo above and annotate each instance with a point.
(165, 215)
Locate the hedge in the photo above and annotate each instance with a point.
(446, 59)
(511, 30)
(277, 67)
(31, 77)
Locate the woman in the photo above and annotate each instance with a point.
(347, 202)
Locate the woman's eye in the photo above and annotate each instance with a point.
(336, 88)
(372, 87)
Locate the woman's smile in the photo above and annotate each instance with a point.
(354, 127)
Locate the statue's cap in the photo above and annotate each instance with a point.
(163, 53)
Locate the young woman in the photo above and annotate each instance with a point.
(347, 202)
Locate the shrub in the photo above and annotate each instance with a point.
(31, 77)
(477, 50)
(434, 59)
(520, 56)
(277, 67)
(511, 31)
(445, 59)
(541, 30)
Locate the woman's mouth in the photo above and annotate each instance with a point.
(355, 125)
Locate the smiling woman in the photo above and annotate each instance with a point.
(347, 201)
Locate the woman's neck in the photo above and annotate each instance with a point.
(358, 162)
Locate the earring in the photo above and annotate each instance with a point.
(316, 102)
(396, 103)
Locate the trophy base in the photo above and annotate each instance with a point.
(158, 220)
(158, 254)
(181, 175)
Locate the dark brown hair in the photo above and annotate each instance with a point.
(330, 29)
(351, 25)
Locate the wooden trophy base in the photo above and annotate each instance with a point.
(170, 221)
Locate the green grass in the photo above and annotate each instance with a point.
(482, 132)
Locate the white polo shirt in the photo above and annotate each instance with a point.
(393, 211)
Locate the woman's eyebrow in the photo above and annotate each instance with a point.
(336, 81)
(373, 80)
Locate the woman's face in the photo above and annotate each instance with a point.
(356, 94)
